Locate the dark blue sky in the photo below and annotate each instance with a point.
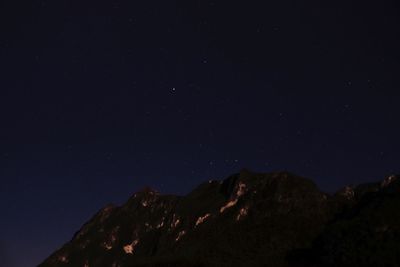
(99, 99)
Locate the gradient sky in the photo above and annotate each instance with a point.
(100, 98)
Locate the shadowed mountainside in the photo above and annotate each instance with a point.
(249, 219)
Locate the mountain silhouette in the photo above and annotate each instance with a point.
(248, 219)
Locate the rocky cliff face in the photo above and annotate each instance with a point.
(249, 219)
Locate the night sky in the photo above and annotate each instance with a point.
(100, 98)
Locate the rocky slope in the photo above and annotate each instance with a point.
(249, 219)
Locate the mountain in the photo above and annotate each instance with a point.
(249, 219)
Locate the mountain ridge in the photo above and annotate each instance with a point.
(247, 219)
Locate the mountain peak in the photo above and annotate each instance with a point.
(247, 218)
(389, 180)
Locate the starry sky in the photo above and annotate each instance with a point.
(101, 98)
